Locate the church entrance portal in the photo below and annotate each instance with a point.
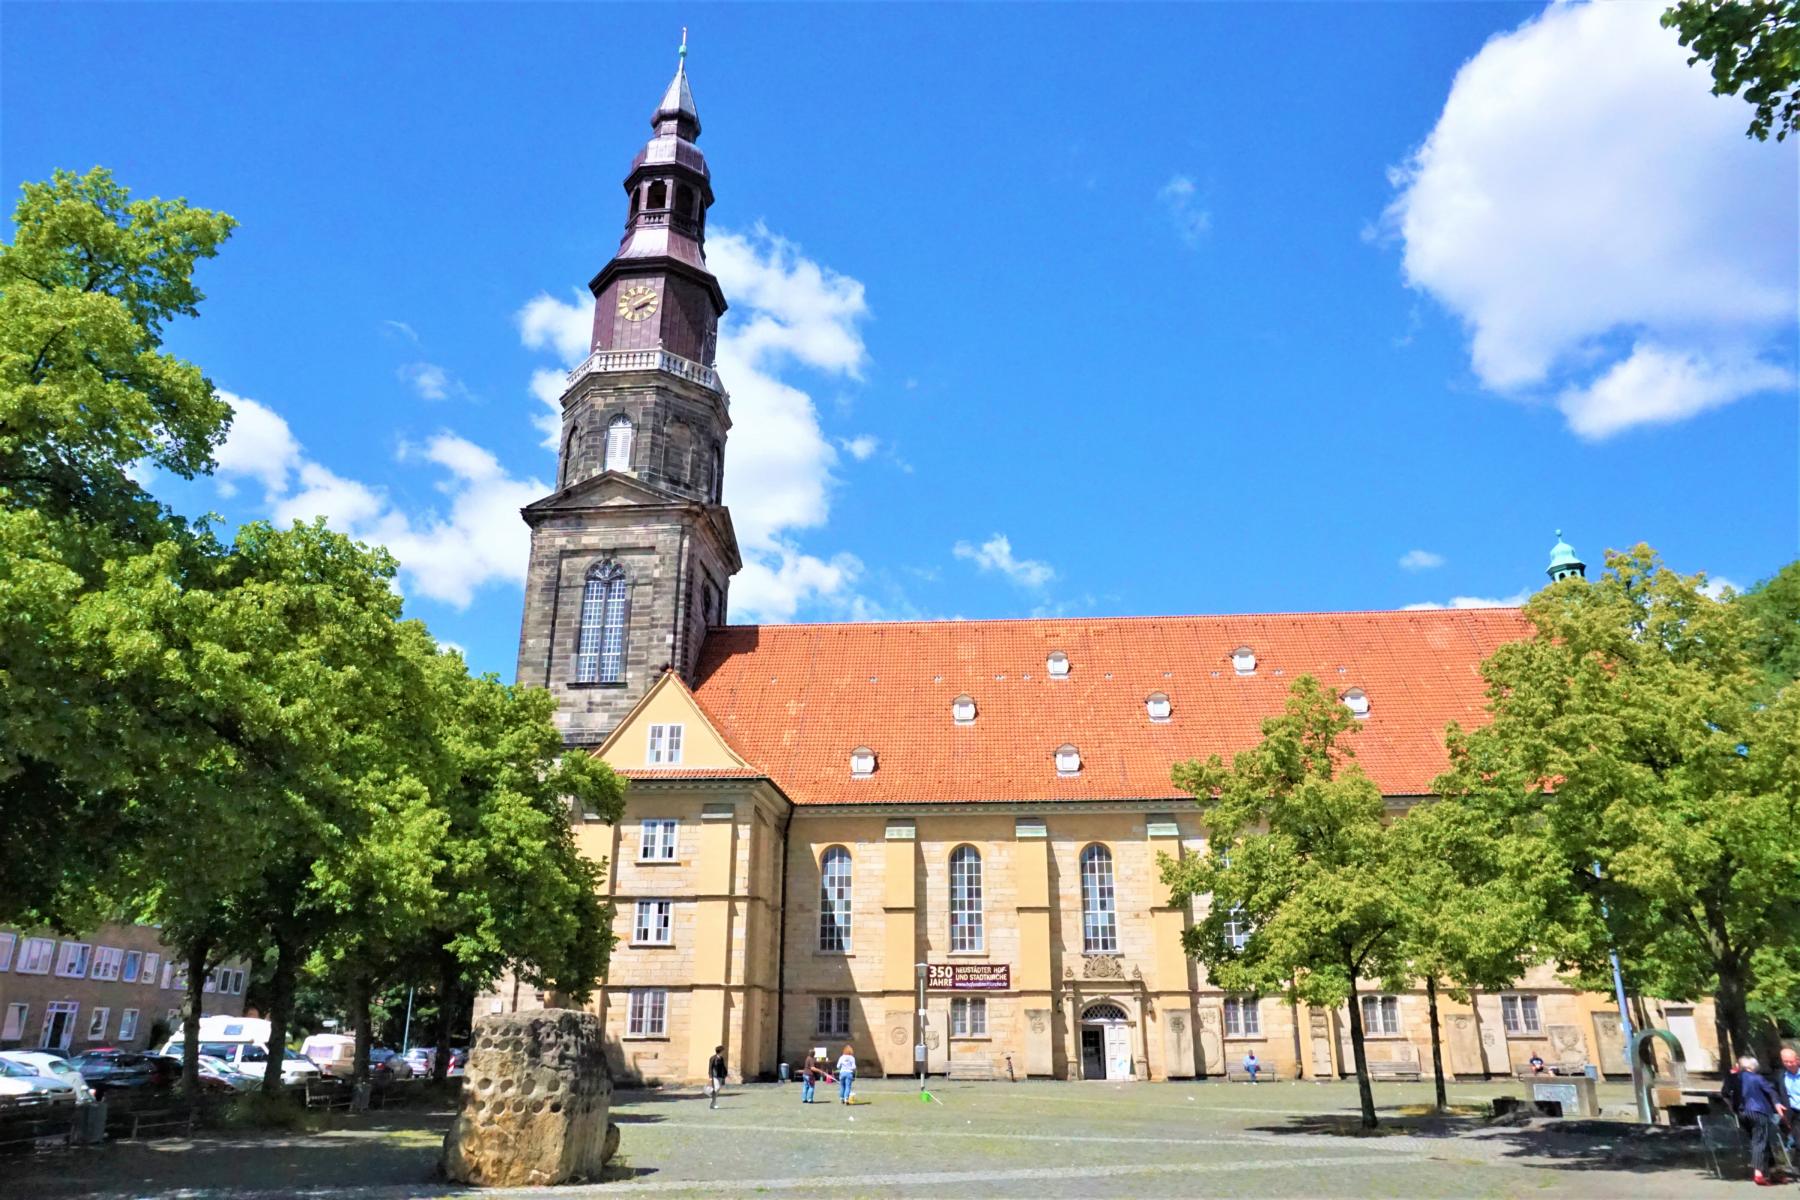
(1105, 1043)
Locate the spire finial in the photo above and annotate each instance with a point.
(683, 52)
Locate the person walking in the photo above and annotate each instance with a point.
(809, 1075)
(1758, 1113)
(846, 1073)
(715, 1076)
(1790, 1092)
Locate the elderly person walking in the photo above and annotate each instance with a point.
(1758, 1111)
(846, 1073)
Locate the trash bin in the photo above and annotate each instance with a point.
(782, 1073)
(90, 1123)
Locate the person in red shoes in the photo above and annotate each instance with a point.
(1759, 1110)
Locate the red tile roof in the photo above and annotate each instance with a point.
(655, 773)
(794, 700)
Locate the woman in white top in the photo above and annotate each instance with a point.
(846, 1073)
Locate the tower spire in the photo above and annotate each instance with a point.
(677, 114)
(1563, 561)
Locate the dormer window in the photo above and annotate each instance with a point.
(962, 710)
(862, 763)
(1157, 705)
(1243, 660)
(1357, 701)
(1057, 665)
(1068, 760)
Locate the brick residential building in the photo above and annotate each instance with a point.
(109, 988)
(816, 809)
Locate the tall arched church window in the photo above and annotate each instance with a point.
(618, 443)
(600, 642)
(1099, 915)
(965, 900)
(834, 900)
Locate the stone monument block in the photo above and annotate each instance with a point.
(535, 1102)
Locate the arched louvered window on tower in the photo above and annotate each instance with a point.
(600, 642)
(834, 900)
(618, 443)
(571, 449)
(965, 900)
(1099, 915)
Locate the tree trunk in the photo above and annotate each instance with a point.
(1731, 1005)
(1437, 1042)
(192, 1003)
(360, 991)
(440, 1063)
(1364, 1091)
(281, 1008)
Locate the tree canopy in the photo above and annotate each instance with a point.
(1754, 47)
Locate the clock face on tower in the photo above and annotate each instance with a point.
(638, 302)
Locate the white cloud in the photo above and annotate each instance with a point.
(787, 312)
(1512, 601)
(1582, 193)
(1190, 220)
(1420, 560)
(477, 539)
(259, 445)
(1717, 585)
(400, 329)
(996, 554)
(862, 447)
(431, 381)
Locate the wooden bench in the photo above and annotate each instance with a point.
(328, 1095)
(1394, 1068)
(1237, 1074)
(970, 1069)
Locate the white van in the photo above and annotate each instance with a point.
(334, 1053)
(241, 1043)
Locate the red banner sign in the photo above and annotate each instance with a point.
(968, 977)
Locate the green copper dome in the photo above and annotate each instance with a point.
(1563, 562)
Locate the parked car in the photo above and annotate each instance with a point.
(387, 1065)
(251, 1059)
(419, 1059)
(52, 1066)
(22, 1087)
(218, 1071)
(108, 1071)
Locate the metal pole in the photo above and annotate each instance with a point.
(1617, 974)
(406, 1031)
(919, 1043)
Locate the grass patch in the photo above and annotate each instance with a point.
(260, 1110)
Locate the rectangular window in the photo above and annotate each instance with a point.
(7, 941)
(97, 1024)
(658, 844)
(968, 1016)
(149, 973)
(13, 1031)
(237, 983)
(59, 1024)
(1237, 928)
(665, 746)
(107, 961)
(655, 919)
(35, 956)
(134, 962)
(72, 963)
(1520, 1014)
(649, 1014)
(1243, 1016)
(834, 901)
(1381, 1014)
(212, 981)
(168, 980)
(128, 1024)
(834, 1015)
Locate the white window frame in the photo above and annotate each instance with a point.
(1158, 707)
(647, 1015)
(658, 839)
(1380, 1015)
(101, 1016)
(1068, 760)
(663, 747)
(1236, 928)
(968, 1016)
(836, 893)
(128, 1024)
(168, 975)
(212, 981)
(107, 962)
(51, 1010)
(16, 1021)
(654, 923)
(862, 763)
(147, 976)
(132, 966)
(601, 625)
(1099, 901)
(7, 942)
(73, 959)
(834, 1016)
(963, 710)
(1521, 1015)
(35, 956)
(237, 982)
(616, 449)
(968, 934)
(1243, 1016)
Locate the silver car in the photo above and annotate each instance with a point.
(22, 1087)
(54, 1067)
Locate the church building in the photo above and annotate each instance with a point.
(822, 818)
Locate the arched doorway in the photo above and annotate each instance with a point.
(1105, 1042)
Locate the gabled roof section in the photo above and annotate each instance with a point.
(797, 699)
(608, 487)
(705, 752)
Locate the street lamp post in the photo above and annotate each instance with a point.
(919, 1042)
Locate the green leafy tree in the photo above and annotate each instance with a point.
(1754, 47)
(1648, 785)
(1773, 609)
(1299, 848)
(88, 398)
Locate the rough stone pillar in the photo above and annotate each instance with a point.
(535, 1102)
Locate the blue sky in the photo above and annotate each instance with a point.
(1061, 310)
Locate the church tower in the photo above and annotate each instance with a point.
(633, 554)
